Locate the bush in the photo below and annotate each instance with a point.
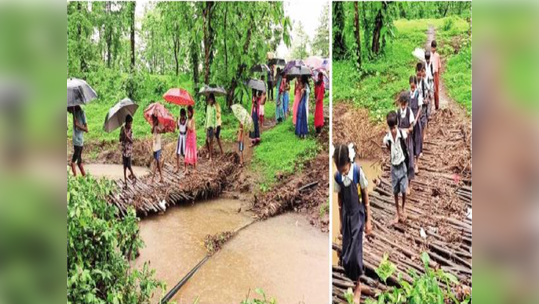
(100, 246)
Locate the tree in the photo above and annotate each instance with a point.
(300, 42)
(208, 40)
(357, 33)
(320, 44)
(339, 45)
(132, 7)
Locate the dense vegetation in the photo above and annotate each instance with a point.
(425, 288)
(100, 246)
(370, 74)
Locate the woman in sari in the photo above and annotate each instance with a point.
(297, 97)
(319, 91)
(301, 121)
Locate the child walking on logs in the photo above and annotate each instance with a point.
(394, 140)
(156, 145)
(429, 77)
(423, 89)
(190, 141)
(126, 139)
(405, 122)
(182, 137)
(416, 104)
(351, 184)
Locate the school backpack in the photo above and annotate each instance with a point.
(355, 168)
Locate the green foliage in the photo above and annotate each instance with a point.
(320, 45)
(264, 300)
(100, 246)
(300, 42)
(458, 77)
(349, 295)
(381, 79)
(424, 289)
(281, 151)
(324, 209)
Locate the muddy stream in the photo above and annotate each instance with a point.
(285, 255)
(372, 170)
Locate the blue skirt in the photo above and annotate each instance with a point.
(286, 100)
(301, 121)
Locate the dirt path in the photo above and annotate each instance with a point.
(439, 201)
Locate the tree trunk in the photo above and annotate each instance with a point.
(208, 41)
(132, 15)
(339, 46)
(378, 24)
(83, 67)
(176, 49)
(226, 51)
(109, 34)
(357, 33)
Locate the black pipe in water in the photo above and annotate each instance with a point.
(182, 282)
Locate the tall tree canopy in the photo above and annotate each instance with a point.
(300, 43)
(214, 42)
(320, 45)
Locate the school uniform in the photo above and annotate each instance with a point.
(182, 137)
(416, 103)
(399, 177)
(429, 77)
(404, 120)
(423, 95)
(349, 188)
(437, 66)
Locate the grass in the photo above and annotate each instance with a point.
(378, 83)
(458, 78)
(281, 151)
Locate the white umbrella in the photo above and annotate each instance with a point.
(256, 84)
(117, 114)
(79, 92)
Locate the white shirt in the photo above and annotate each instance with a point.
(420, 98)
(363, 182)
(429, 75)
(397, 155)
(403, 115)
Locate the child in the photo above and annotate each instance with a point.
(211, 121)
(437, 65)
(279, 108)
(424, 96)
(190, 141)
(286, 97)
(79, 128)
(429, 77)
(218, 125)
(240, 143)
(156, 138)
(405, 121)
(182, 136)
(301, 121)
(351, 185)
(126, 139)
(261, 104)
(319, 91)
(399, 176)
(416, 104)
(255, 134)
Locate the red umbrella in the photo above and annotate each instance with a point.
(179, 96)
(163, 115)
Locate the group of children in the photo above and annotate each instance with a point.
(404, 140)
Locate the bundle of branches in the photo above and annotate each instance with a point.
(214, 243)
(354, 125)
(302, 192)
(209, 181)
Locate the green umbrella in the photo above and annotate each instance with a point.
(243, 116)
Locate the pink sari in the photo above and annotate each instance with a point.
(297, 98)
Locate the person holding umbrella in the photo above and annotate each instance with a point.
(79, 128)
(319, 91)
(270, 82)
(301, 122)
(191, 142)
(218, 123)
(211, 124)
(279, 110)
(255, 134)
(126, 139)
(297, 99)
(182, 137)
(157, 130)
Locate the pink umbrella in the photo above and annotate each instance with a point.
(314, 62)
(179, 96)
(163, 116)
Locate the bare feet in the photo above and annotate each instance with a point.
(408, 191)
(395, 221)
(416, 169)
(404, 216)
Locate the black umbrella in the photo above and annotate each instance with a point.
(260, 68)
(117, 114)
(298, 71)
(256, 84)
(207, 90)
(277, 61)
(79, 92)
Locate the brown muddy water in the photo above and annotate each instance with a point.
(372, 170)
(284, 255)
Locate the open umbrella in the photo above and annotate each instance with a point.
(298, 71)
(207, 90)
(314, 62)
(256, 84)
(260, 68)
(243, 116)
(117, 114)
(291, 64)
(179, 96)
(164, 117)
(79, 92)
(277, 61)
